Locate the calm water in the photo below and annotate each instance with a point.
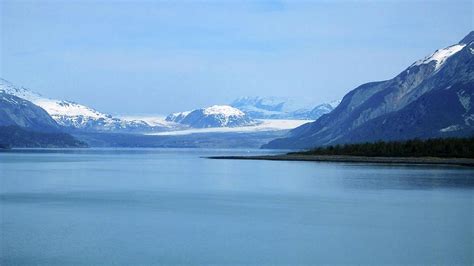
(163, 206)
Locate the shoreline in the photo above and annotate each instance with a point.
(354, 159)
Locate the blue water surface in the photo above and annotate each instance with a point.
(171, 206)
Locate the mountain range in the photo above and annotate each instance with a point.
(433, 97)
(72, 116)
(282, 108)
(60, 123)
(24, 124)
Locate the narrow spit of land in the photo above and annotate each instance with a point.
(355, 159)
(448, 151)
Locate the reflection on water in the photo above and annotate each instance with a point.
(170, 206)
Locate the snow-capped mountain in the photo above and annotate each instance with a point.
(74, 116)
(434, 97)
(15, 111)
(316, 112)
(214, 116)
(281, 108)
(177, 117)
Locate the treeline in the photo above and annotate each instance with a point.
(441, 147)
(17, 137)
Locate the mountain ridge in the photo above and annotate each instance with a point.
(442, 70)
(73, 116)
(20, 112)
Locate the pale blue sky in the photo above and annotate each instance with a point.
(150, 57)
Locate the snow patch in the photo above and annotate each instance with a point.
(465, 100)
(223, 110)
(151, 120)
(451, 128)
(469, 120)
(440, 56)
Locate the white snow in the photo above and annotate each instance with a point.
(224, 114)
(151, 120)
(176, 117)
(469, 120)
(278, 107)
(65, 113)
(465, 100)
(440, 56)
(264, 125)
(225, 110)
(53, 107)
(451, 128)
(57, 107)
(73, 114)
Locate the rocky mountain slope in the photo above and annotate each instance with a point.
(24, 124)
(19, 112)
(433, 97)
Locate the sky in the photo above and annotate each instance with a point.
(156, 57)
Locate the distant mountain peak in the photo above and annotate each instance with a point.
(223, 109)
(213, 116)
(282, 108)
(468, 39)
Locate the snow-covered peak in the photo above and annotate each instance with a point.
(177, 114)
(177, 117)
(54, 107)
(58, 107)
(225, 110)
(21, 92)
(213, 116)
(74, 115)
(440, 56)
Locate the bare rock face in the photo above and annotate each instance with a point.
(431, 98)
(15, 111)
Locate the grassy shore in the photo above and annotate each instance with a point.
(355, 159)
